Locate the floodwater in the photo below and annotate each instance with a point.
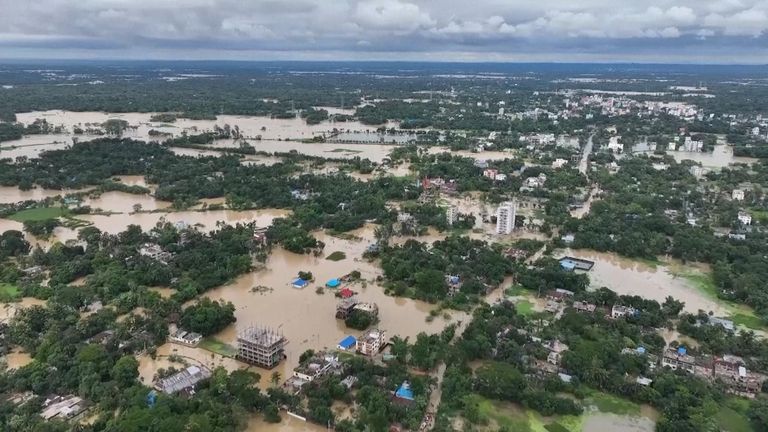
(484, 155)
(189, 355)
(264, 133)
(374, 152)
(601, 422)
(117, 223)
(17, 359)
(12, 194)
(720, 157)
(288, 424)
(306, 318)
(8, 310)
(629, 277)
(123, 202)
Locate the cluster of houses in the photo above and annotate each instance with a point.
(731, 371)
(369, 344)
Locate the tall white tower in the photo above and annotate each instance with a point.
(505, 217)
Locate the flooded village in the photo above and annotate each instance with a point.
(509, 238)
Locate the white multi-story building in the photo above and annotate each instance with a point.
(737, 195)
(371, 342)
(451, 214)
(505, 217)
(745, 218)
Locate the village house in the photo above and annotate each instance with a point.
(320, 364)
(185, 380)
(490, 173)
(183, 337)
(737, 195)
(732, 371)
(63, 407)
(154, 251)
(559, 294)
(745, 218)
(618, 311)
(584, 307)
(678, 359)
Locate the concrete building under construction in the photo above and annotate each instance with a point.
(261, 346)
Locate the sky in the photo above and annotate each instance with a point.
(652, 31)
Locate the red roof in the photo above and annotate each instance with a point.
(346, 293)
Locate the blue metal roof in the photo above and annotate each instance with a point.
(348, 342)
(405, 392)
(333, 283)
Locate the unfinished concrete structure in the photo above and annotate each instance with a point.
(261, 346)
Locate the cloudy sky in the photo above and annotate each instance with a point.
(700, 31)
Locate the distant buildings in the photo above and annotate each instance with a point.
(261, 346)
(371, 342)
(505, 218)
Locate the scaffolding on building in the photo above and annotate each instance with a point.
(261, 346)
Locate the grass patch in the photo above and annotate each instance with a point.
(524, 307)
(8, 292)
(515, 290)
(216, 346)
(38, 214)
(607, 403)
(343, 150)
(336, 256)
(741, 315)
(732, 416)
(748, 320)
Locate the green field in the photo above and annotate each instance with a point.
(216, 346)
(732, 416)
(336, 256)
(607, 403)
(38, 214)
(524, 307)
(741, 315)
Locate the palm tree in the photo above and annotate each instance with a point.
(276, 378)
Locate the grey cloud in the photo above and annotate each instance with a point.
(691, 30)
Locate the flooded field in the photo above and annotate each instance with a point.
(12, 194)
(289, 424)
(305, 317)
(629, 277)
(264, 133)
(602, 422)
(721, 156)
(117, 223)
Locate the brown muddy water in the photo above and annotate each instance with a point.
(12, 194)
(17, 359)
(307, 318)
(264, 133)
(604, 422)
(629, 277)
